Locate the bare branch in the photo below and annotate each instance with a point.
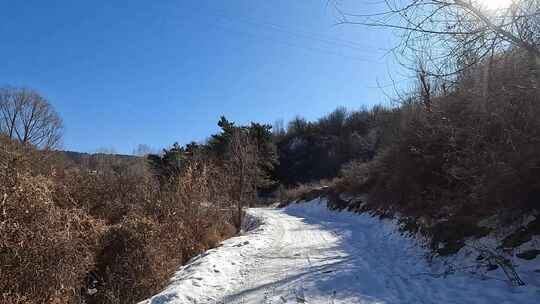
(29, 118)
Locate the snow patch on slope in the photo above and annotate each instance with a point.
(389, 267)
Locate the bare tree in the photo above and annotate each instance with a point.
(453, 35)
(29, 118)
(243, 170)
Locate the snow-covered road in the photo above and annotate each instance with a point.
(308, 254)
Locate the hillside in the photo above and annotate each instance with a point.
(93, 161)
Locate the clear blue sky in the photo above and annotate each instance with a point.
(121, 73)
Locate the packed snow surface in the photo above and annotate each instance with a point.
(306, 253)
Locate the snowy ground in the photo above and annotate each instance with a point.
(308, 254)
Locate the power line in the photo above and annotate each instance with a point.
(302, 34)
(335, 42)
(294, 45)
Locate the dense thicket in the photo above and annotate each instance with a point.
(310, 151)
(46, 247)
(473, 154)
(105, 229)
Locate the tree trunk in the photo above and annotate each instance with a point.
(534, 65)
(240, 199)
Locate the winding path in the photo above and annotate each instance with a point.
(308, 254)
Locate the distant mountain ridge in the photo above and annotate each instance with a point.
(103, 161)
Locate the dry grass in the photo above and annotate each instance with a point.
(64, 231)
(45, 250)
(300, 192)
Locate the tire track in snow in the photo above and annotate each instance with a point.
(254, 274)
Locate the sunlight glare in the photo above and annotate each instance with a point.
(495, 4)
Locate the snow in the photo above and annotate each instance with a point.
(306, 253)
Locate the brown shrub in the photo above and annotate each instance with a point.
(68, 234)
(124, 263)
(164, 226)
(45, 251)
(473, 154)
(354, 177)
(302, 192)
